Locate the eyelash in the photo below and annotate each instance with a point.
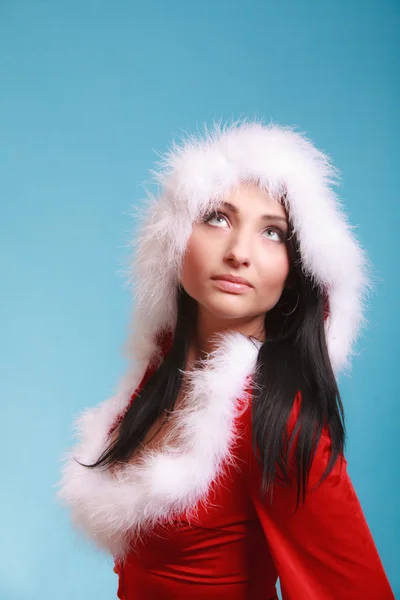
(278, 230)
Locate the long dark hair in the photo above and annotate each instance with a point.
(293, 358)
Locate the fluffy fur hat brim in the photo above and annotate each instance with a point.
(194, 176)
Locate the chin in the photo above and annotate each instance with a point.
(231, 307)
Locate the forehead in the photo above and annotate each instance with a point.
(249, 198)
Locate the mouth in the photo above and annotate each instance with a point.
(232, 285)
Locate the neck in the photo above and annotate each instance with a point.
(203, 342)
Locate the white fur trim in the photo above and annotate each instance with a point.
(164, 484)
(196, 174)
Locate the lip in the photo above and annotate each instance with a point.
(233, 279)
(232, 284)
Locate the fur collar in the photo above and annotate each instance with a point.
(161, 485)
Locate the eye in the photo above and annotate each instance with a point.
(213, 216)
(281, 235)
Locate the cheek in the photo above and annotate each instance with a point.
(195, 262)
(274, 271)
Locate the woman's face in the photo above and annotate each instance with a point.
(245, 238)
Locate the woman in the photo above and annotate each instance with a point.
(218, 466)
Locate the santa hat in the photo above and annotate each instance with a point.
(194, 176)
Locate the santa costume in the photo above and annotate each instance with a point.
(189, 521)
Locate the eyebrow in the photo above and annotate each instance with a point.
(235, 210)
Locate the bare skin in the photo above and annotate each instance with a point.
(237, 240)
(240, 243)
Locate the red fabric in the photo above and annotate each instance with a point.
(325, 549)
(237, 547)
(240, 544)
(223, 554)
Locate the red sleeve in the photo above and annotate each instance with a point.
(148, 373)
(165, 340)
(324, 550)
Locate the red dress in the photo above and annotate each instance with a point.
(199, 526)
(240, 543)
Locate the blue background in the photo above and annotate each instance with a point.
(90, 91)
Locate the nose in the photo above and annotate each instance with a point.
(238, 253)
